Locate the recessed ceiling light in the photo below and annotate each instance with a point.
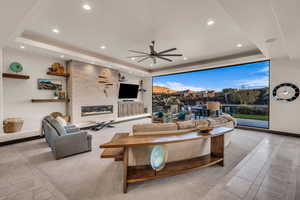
(22, 47)
(132, 58)
(210, 22)
(239, 45)
(55, 30)
(62, 56)
(86, 7)
(184, 58)
(103, 47)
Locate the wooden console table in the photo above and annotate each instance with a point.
(118, 148)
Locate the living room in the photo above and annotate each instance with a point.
(149, 99)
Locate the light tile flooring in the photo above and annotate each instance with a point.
(269, 172)
(258, 166)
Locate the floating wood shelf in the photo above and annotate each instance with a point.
(47, 100)
(15, 76)
(55, 74)
(102, 76)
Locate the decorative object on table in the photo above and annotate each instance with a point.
(163, 55)
(49, 84)
(213, 108)
(122, 78)
(286, 92)
(205, 129)
(16, 67)
(158, 157)
(12, 125)
(57, 68)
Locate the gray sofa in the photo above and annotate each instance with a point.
(65, 141)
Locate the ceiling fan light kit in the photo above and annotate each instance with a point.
(154, 55)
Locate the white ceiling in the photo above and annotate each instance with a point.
(132, 24)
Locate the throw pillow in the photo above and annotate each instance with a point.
(61, 121)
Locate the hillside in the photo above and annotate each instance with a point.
(161, 89)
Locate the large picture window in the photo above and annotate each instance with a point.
(242, 91)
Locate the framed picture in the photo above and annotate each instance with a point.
(49, 84)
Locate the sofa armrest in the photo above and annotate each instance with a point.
(72, 143)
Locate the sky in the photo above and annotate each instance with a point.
(254, 75)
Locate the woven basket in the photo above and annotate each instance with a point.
(12, 125)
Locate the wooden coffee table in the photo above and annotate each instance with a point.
(121, 142)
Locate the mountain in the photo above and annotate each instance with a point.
(161, 89)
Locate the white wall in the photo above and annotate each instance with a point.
(285, 116)
(17, 94)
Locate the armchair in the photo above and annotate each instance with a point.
(65, 141)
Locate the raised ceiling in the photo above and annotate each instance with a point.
(265, 28)
(133, 24)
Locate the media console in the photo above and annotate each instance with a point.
(130, 108)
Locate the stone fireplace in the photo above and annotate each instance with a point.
(96, 110)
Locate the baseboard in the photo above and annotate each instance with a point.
(20, 140)
(268, 131)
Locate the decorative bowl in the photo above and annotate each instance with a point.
(205, 129)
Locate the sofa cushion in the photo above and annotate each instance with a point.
(186, 124)
(60, 129)
(201, 123)
(154, 128)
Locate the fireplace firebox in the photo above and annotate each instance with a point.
(96, 110)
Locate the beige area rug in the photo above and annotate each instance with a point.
(88, 177)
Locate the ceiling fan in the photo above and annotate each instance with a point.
(163, 55)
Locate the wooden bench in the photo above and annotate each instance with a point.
(116, 153)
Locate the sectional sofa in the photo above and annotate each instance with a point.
(178, 151)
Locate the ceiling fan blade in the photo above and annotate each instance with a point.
(168, 50)
(170, 54)
(138, 52)
(167, 59)
(137, 56)
(143, 59)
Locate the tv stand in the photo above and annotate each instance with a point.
(130, 108)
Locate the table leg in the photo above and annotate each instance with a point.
(217, 147)
(125, 166)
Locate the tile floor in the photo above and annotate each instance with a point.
(258, 166)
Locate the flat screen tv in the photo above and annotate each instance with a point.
(128, 91)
